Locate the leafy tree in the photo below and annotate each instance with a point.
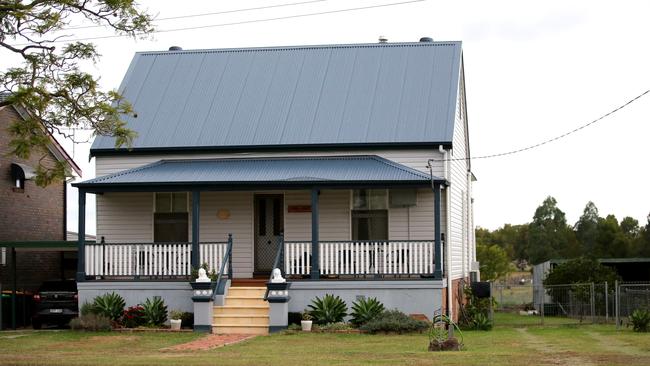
(549, 234)
(494, 261)
(50, 84)
(580, 270)
(610, 242)
(587, 227)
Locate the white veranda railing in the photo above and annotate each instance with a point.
(362, 257)
(150, 259)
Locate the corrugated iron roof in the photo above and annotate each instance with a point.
(364, 169)
(308, 95)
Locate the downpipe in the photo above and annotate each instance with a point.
(446, 170)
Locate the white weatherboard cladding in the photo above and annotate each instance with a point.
(459, 231)
(416, 159)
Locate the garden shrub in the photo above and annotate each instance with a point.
(155, 311)
(295, 317)
(329, 309)
(394, 321)
(365, 310)
(640, 320)
(333, 327)
(109, 305)
(187, 320)
(474, 313)
(294, 327)
(133, 316)
(87, 308)
(91, 322)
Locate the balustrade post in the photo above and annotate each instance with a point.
(229, 256)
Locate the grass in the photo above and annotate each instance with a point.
(505, 345)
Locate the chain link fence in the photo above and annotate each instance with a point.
(585, 303)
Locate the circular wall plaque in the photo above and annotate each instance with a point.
(223, 214)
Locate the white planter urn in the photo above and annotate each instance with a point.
(306, 325)
(175, 324)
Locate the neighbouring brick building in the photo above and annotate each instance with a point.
(31, 213)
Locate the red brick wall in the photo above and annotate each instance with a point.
(36, 213)
(455, 291)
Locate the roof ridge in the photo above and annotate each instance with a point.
(401, 167)
(302, 47)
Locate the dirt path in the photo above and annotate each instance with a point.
(616, 346)
(552, 354)
(210, 341)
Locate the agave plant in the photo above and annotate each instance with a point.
(109, 305)
(329, 309)
(365, 310)
(155, 311)
(640, 320)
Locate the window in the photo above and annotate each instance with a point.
(170, 218)
(369, 214)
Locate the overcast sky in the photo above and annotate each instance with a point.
(533, 70)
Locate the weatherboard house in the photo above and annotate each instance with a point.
(345, 166)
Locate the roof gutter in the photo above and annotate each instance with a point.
(247, 149)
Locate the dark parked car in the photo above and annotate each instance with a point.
(55, 303)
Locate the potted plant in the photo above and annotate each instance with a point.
(175, 317)
(306, 321)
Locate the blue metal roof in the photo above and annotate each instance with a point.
(387, 93)
(334, 170)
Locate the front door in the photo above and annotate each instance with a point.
(269, 225)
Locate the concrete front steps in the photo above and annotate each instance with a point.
(244, 312)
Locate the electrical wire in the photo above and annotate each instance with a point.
(237, 23)
(208, 14)
(553, 139)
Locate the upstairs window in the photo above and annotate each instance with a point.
(370, 214)
(171, 217)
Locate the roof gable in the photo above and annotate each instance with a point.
(394, 93)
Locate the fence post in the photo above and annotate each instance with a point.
(606, 303)
(592, 301)
(491, 301)
(616, 304)
(542, 303)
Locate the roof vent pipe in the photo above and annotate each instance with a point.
(383, 39)
(175, 48)
(426, 39)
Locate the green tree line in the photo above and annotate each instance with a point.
(549, 235)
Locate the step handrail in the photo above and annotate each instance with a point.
(278, 263)
(227, 257)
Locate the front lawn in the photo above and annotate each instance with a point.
(505, 345)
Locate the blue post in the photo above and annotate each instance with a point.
(196, 208)
(437, 273)
(230, 256)
(81, 238)
(315, 267)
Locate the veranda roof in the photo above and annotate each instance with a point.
(284, 173)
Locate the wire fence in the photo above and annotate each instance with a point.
(585, 303)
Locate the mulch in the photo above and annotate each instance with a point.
(211, 341)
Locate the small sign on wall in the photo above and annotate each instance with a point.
(223, 214)
(298, 208)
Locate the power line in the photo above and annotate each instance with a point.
(208, 14)
(241, 22)
(530, 147)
